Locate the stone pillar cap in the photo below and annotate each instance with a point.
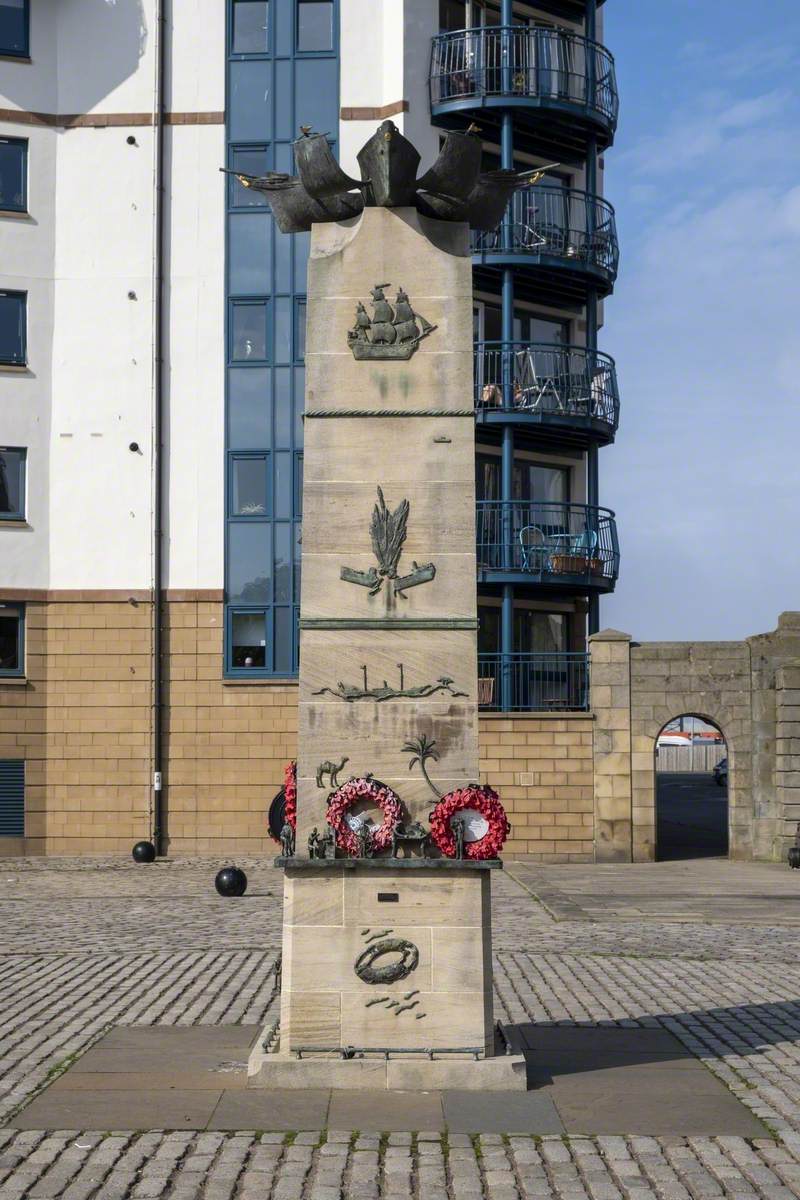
(610, 635)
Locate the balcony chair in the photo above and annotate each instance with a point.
(533, 548)
(534, 388)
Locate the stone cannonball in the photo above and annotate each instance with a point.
(231, 881)
(144, 852)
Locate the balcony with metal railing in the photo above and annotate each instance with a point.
(568, 392)
(561, 86)
(534, 682)
(568, 547)
(563, 242)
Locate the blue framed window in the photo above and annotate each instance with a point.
(246, 160)
(248, 330)
(13, 175)
(283, 70)
(250, 26)
(12, 797)
(12, 483)
(13, 323)
(12, 639)
(300, 329)
(15, 28)
(249, 490)
(314, 30)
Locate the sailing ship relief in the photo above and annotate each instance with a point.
(389, 332)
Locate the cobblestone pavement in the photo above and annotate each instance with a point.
(90, 945)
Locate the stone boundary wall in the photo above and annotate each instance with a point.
(750, 690)
(541, 764)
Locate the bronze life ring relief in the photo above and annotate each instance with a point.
(367, 966)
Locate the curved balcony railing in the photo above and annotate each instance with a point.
(546, 68)
(563, 386)
(557, 227)
(544, 682)
(544, 541)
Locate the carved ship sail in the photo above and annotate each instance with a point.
(391, 332)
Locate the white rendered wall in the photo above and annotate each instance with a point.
(88, 242)
(385, 50)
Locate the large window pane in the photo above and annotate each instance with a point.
(487, 478)
(249, 408)
(283, 406)
(12, 328)
(488, 629)
(248, 640)
(533, 482)
(249, 563)
(247, 160)
(283, 563)
(539, 632)
(12, 483)
(250, 253)
(14, 27)
(300, 331)
(13, 174)
(314, 25)
(248, 331)
(284, 489)
(249, 486)
(284, 640)
(10, 640)
(250, 26)
(250, 101)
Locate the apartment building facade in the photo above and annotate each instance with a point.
(152, 328)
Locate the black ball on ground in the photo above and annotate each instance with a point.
(231, 881)
(794, 857)
(144, 852)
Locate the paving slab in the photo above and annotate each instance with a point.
(646, 1101)
(279, 1110)
(111, 1110)
(390, 1112)
(501, 1112)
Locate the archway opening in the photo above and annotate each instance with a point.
(691, 764)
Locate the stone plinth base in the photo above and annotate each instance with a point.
(383, 955)
(505, 1073)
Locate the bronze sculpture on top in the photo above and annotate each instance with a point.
(453, 189)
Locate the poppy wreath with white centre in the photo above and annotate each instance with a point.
(483, 800)
(349, 794)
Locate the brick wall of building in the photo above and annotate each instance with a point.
(82, 722)
(542, 767)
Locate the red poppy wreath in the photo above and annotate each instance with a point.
(349, 794)
(483, 800)
(290, 792)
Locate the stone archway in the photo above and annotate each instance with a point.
(691, 810)
(636, 689)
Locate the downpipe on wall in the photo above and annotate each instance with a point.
(158, 423)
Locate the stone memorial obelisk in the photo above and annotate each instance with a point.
(386, 968)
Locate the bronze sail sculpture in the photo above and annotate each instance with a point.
(453, 189)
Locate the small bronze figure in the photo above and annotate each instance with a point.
(331, 770)
(313, 843)
(364, 836)
(287, 840)
(458, 824)
(326, 844)
(414, 832)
